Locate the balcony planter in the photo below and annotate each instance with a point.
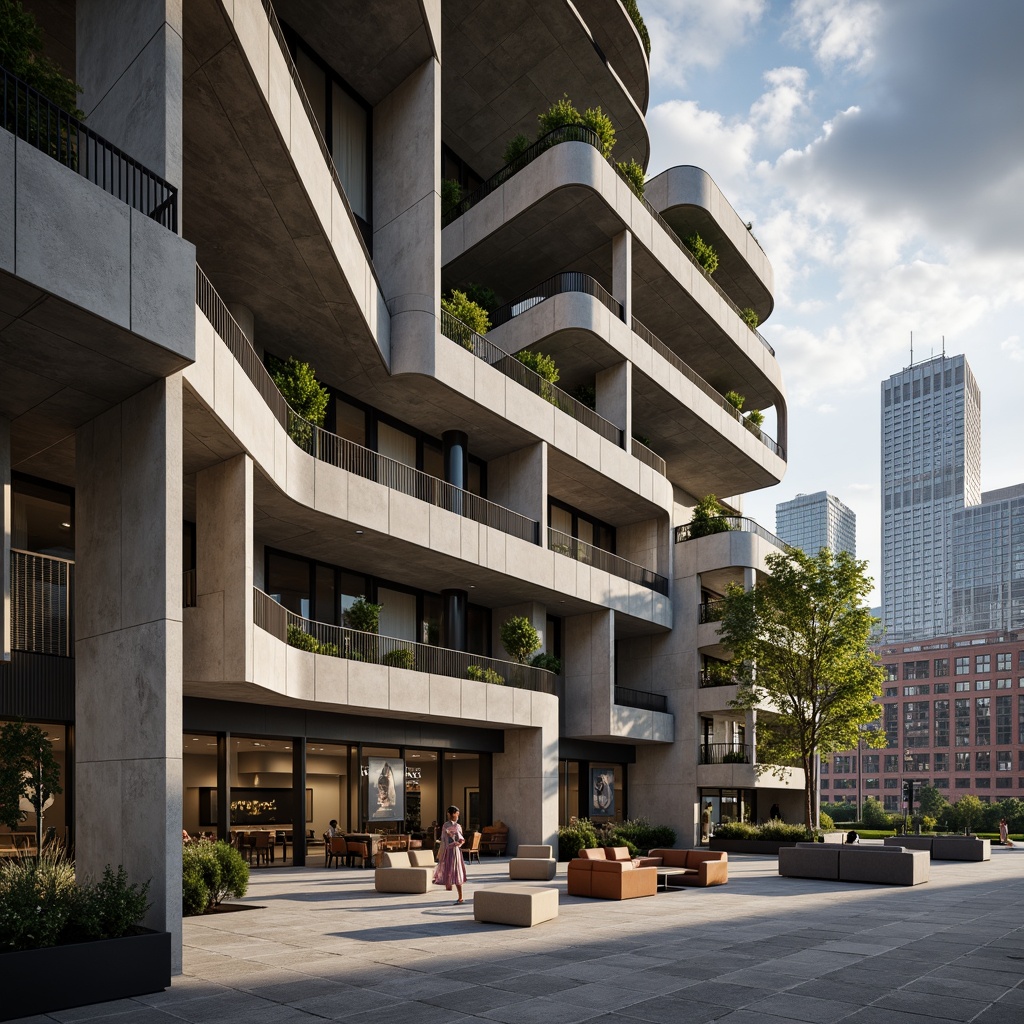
(60, 977)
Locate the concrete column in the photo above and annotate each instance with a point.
(221, 649)
(519, 481)
(129, 64)
(749, 577)
(525, 782)
(5, 539)
(128, 647)
(622, 273)
(588, 667)
(407, 214)
(614, 388)
(456, 457)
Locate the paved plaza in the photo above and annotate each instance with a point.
(323, 945)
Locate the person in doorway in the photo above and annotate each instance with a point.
(705, 823)
(451, 868)
(1004, 832)
(775, 814)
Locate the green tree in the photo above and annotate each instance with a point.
(968, 810)
(931, 803)
(800, 638)
(516, 147)
(471, 316)
(519, 638)
(28, 770)
(305, 395)
(708, 516)
(873, 814)
(21, 53)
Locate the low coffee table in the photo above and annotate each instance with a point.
(664, 877)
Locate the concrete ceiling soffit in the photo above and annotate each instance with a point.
(614, 32)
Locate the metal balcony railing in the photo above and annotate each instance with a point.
(560, 284)
(742, 524)
(42, 604)
(577, 133)
(641, 699)
(30, 116)
(710, 679)
(563, 544)
(371, 648)
(725, 753)
(345, 454)
(711, 611)
(455, 330)
(696, 379)
(649, 458)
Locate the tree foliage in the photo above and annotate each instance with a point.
(21, 53)
(29, 770)
(470, 314)
(563, 112)
(708, 516)
(305, 395)
(519, 638)
(800, 640)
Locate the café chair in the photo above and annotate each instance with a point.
(472, 848)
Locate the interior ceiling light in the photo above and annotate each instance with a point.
(65, 526)
(359, 533)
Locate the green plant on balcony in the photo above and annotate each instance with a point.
(305, 395)
(516, 147)
(585, 394)
(704, 254)
(547, 661)
(753, 421)
(484, 297)
(719, 673)
(734, 757)
(562, 113)
(519, 638)
(400, 657)
(363, 615)
(300, 639)
(452, 193)
(471, 317)
(709, 516)
(750, 318)
(545, 368)
(634, 12)
(735, 399)
(634, 176)
(481, 674)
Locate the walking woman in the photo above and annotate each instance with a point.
(451, 869)
(1004, 832)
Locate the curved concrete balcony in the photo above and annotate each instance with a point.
(723, 558)
(746, 776)
(503, 64)
(562, 205)
(606, 561)
(619, 41)
(690, 201)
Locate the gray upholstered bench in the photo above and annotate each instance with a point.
(523, 905)
(889, 865)
(946, 847)
(534, 863)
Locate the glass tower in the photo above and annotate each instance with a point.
(815, 521)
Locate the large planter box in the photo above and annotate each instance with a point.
(765, 847)
(60, 977)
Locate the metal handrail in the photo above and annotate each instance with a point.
(577, 133)
(741, 523)
(695, 378)
(563, 544)
(558, 284)
(710, 611)
(649, 458)
(708, 679)
(42, 604)
(725, 753)
(642, 699)
(30, 116)
(345, 454)
(462, 334)
(372, 648)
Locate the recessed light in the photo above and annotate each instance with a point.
(65, 526)
(359, 533)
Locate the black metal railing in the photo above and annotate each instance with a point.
(567, 133)
(42, 604)
(649, 458)
(29, 115)
(719, 678)
(641, 699)
(345, 454)
(455, 330)
(696, 379)
(563, 544)
(725, 753)
(711, 611)
(559, 284)
(743, 524)
(188, 588)
(371, 648)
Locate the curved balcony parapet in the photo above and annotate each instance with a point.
(649, 458)
(563, 544)
(740, 523)
(345, 454)
(559, 284)
(393, 652)
(726, 753)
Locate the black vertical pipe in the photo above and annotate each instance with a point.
(299, 801)
(224, 786)
(454, 613)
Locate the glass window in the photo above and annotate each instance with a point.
(288, 582)
(326, 609)
(1004, 662)
(983, 663)
(942, 666)
(963, 666)
(350, 422)
(349, 149)
(42, 518)
(396, 444)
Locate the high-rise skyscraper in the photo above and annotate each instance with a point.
(931, 467)
(815, 521)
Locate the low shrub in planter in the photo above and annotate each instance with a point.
(548, 661)
(641, 834)
(775, 831)
(737, 830)
(578, 835)
(209, 873)
(400, 657)
(484, 675)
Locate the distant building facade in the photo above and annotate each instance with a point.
(815, 521)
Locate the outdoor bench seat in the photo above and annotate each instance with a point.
(594, 874)
(411, 872)
(969, 848)
(515, 904)
(700, 868)
(889, 865)
(534, 863)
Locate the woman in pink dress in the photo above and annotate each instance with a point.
(451, 869)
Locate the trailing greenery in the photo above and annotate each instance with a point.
(400, 657)
(547, 661)
(634, 12)
(484, 675)
(708, 517)
(634, 175)
(519, 638)
(750, 318)
(452, 194)
(21, 53)
(210, 872)
(363, 615)
(29, 770)
(806, 628)
(562, 113)
(516, 147)
(705, 254)
(305, 395)
(471, 317)
(41, 904)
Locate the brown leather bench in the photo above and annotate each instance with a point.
(593, 873)
(696, 867)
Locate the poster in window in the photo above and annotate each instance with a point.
(386, 785)
(602, 792)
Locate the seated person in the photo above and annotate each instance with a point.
(332, 829)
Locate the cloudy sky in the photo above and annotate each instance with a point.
(878, 149)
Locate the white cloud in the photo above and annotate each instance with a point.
(775, 113)
(838, 31)
(1014, 348)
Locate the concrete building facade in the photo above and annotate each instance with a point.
(232, 618)
(815, 521)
